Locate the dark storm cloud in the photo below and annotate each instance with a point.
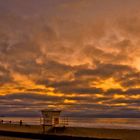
(98, 55)
(57, 68)
(105, 70)
(129, 91)
(29, 96)
(83, 77)
(18, 102)
(27, 67)
(81, 90)
(133, 91)
(78, 87)
(131, 79)
(114, 91)
(129, 102)
(89, 99)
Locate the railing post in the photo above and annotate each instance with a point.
(2, 121)
(20, 122)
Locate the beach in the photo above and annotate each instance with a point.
(12, 138)
(10, 131)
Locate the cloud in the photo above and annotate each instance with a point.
(105, 70)
(73, 61)
(80, 90)
(133, 91)
(30, 102)
(114, 91)
(129, 25)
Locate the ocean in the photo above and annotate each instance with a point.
(121, 123)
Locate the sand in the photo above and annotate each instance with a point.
(122, 134)
(24, 128)
(12, 138)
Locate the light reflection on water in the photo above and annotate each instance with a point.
(130, 123)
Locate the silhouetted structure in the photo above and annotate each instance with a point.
(20, 122)
(50, 118)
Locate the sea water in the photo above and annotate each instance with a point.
(116, 123)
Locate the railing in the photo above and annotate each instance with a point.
(11, 122)
(64, 121)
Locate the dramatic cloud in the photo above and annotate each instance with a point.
(80, 56)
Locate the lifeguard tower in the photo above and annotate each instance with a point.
(50, 118)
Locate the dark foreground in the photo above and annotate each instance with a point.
(30, 132)
(44, 136)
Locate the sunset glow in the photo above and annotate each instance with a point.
(79, 55)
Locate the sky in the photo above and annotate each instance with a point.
(79, 56)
